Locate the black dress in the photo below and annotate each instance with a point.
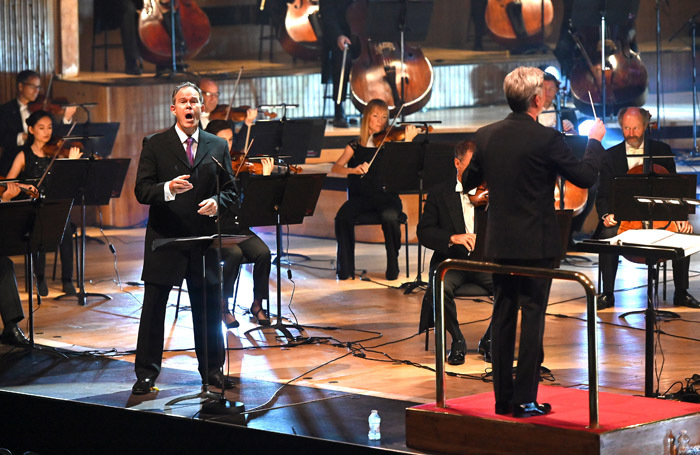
(365, 195)
(34, 167)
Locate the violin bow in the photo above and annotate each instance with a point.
(235, 89)
(245, 156)
(342, 74)
(48, 90)
(46, 172)
(388, 130)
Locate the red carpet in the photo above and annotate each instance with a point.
(570, 409)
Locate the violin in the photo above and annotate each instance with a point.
(396, 134)
(192, 30)
(60, 146)
(29, 190)
(378, 74)
(297, 35)
(236, 114)
(480, 197)
(241, 164)
(514, 22)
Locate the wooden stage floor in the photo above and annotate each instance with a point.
(377, 320)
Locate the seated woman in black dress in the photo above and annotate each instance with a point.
(251, 250)
(366, 194)
(30, 163)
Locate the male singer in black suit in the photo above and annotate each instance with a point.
(519, 160)
(447, 227)
(634, 122)
(336, 35)
(177, 177)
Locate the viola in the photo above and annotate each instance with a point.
(297, 35)
(514, 22)
(235, 114)
(396, 134)
(574, 198)
(192, 30)
(378, 74)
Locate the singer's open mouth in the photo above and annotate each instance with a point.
(189, 116)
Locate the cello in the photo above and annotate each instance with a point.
(378, 72)
(297, 35)
(515, 22)
(192, 30)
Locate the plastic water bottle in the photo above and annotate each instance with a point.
(683, 443)
(374, 423)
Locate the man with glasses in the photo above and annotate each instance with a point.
(13, 116)
(210, 92)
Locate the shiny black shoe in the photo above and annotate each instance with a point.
(606, 300)
(68, 287)
(682, 298)
(229, 321)
(531, 409)
(42, 286)
(255, 314)
(504, 408)
(14, 336)
(220, 381)
(143, 386)
(339, 119)
(485, 349)
(457, 352)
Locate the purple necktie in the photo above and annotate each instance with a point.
(190, 155)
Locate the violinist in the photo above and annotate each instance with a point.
(367, 194)
(30, 163)
(210, 91)
(336, 32)
(10, 303)
(634, 122)
(13, 116)
(452, 237)
(253, 250)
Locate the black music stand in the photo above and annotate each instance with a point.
(91, 182)
(212, 403)
(294, 139)
(276, 200)
(97, 138)
(29, 227)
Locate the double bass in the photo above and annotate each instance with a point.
(516, 22)
(297, 35)
(192, 30)
(379, 74)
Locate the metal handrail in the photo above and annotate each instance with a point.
(439, 305)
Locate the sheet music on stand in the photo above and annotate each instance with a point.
(690, 244)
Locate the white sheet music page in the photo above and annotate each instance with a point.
(658, 237)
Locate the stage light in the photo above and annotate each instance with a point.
(585, 126)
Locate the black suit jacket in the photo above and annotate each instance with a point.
(162, 159)
(616, 165)
(519, 160)
(442, 217)
(10, 127)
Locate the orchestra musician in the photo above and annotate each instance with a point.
(122, 14)
(14, 114)
(336, 33)
(210, 90)
(253, 250)
(634, 122)
(176, 177)
(31, 163)
(448, 228)
(367, 194)
(568, 118)
(519, 159)
(10, 303)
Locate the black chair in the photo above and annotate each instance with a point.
(372, 218)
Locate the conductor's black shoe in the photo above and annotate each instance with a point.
(503, 408)
(143, 386)
(682, 298)
(14, 336)
(457, 352)
(220, 381)
(485, 349)
(68, 287)
(606, 300)
(531, 409)
(42, 286)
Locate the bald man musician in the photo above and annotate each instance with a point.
(634, 122)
